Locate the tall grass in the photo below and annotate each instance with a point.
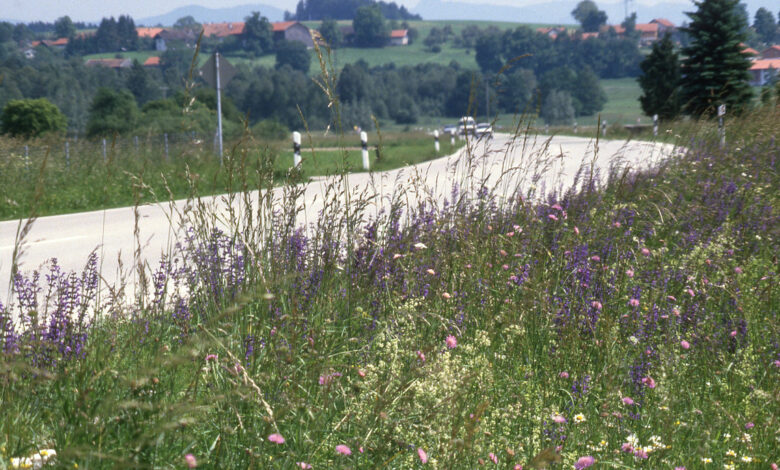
(634, 322)
(83, 180)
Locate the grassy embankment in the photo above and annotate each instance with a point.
(129, 176)
(635, 324)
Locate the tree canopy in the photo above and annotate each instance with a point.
(715, 71)
(765, 26)
(31, 118)
(589, 16)
(371, 29)
(258, 36)
(660, 81)
(112, 112)
(293, 53)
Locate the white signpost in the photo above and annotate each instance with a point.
(721, 127)
(364, 145)
(296, 149)
(218, 72)
(436, 140)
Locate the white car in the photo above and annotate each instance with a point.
(467, 125)
(484, 128)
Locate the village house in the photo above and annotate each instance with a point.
(399, 37)
(292, 31)
(664, 26)
(148, 33)
(153, 61)
(223, 30)
(771, 52)
(168, 38)
(56, 44)
(552, 33)
(764, 71)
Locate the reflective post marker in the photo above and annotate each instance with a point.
(721, 128)
(452, 138)
(575, 127)
(655, 125)
(296, 149)
(165, 136)
(604, 128)
(104, 150)
(27, 157)
(546, 128)
(364, 144)
(135, 142)
(436, 140)
(67, 153)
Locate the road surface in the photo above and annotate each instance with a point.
(503, 162)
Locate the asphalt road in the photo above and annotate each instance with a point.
(504, 163)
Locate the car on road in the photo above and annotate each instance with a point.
(467, 125)
(484, 128)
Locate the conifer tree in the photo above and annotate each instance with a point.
(715, 71)
(660, 81)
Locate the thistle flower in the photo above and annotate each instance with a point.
(343, 450)
(558, 419)
(649, 382)
(584, 462)
(276, 438)
(190, 460)
(552, 217)
(303, 465)
(451, 342)
(627, 401)
(423, 456)
(685, 345)
(493, 458)
(446, 295)
(634, 302)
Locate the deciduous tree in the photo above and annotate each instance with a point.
(31, 118)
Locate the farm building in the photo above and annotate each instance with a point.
(292, 31)
(399, 37)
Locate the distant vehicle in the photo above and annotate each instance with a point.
(467, 125)
(484, 128)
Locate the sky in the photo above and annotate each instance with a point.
(93, 10)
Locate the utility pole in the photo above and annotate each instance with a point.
(219, 107)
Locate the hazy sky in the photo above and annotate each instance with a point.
(93, 10)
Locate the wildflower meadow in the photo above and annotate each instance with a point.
(626, 324)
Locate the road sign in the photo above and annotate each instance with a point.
(722, 110)
(209, 71)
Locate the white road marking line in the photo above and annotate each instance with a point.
(45, 242)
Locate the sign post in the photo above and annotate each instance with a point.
(721, 128)
(655, 125)
(218, 72)
(364, 145)
(604, 128)
(296, 149)
(575, 127)
(436, 140)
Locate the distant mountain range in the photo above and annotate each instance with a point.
(559, 11)
(213, 15)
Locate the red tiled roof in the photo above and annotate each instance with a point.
(282, 25)
(398, 33)
(50, 43)
(749, 50)
(589, 35)
(148, 32)
(222, 30)
(664, 21)
(766, 64)
(647, 27)
(153, 61)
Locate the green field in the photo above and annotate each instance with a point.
(412, 54)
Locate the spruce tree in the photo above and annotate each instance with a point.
(715, 71)
(660, 81)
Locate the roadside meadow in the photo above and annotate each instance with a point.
(632, 324)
